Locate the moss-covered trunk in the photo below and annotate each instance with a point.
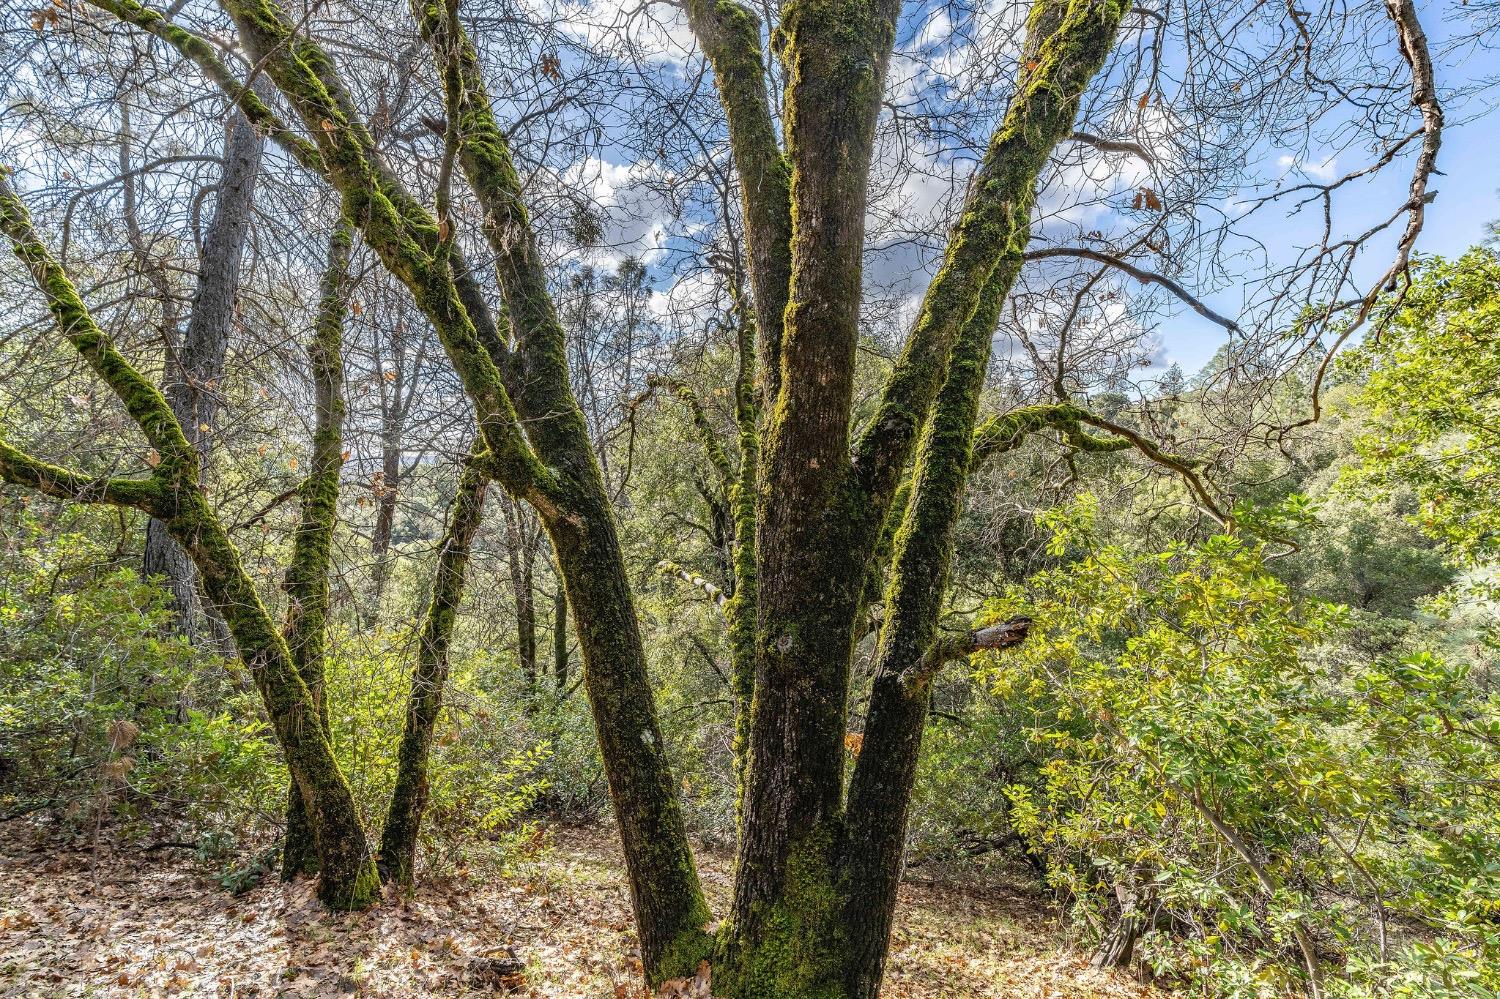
(816, 884)
(306, 625)
(403, 821)
(347, 878)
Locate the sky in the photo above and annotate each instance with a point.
(1468, 201)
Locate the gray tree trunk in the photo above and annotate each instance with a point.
(195, 367)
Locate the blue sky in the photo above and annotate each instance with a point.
(1468, 196)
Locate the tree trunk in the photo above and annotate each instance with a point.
(520, 558)
(560, 665)
(347, 877)
(671, 915)
(175, 495)
(195, 367)
(814, 540)
(385, 500)
(306, 584)
(398, 841)
(1118, 943)
(816, 887)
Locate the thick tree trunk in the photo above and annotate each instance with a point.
(195, 367)
(814, 540)
(306, 584)
(816, 888)
(398, 841)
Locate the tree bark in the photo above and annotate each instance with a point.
(813, 540)
(560, 658)
(1118, 943)
(403, 821)
(520, 559)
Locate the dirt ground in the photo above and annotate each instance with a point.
(117, 921)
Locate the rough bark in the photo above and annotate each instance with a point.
(306, 625)
(567, 488)
(174, 495)
(403, 821)
(1117, 945)
(813, 537)
(1067, 42)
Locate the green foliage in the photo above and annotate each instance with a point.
(102, 709)
(1209, 745)
(1432, 386)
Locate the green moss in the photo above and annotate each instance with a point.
(1067, 43)
(798, 951)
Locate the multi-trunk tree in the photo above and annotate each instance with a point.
(822, 505)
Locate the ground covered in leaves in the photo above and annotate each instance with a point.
(113, 920)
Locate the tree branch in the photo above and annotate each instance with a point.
(1113, 145)
(143, 401)
(24, 470)
(1005, 635)
(1067, 44)
(1140, 274)
(195, 48)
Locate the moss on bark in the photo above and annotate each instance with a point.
(176, 497)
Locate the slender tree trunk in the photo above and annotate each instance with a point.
(398, 841)
(391, 434)
(520, 558)
(195, 366)
(347, 878)
(306, 624)
(1118, 943)
(560, 664)
(880, 792)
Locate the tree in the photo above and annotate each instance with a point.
(173, 494)
(1431, 382)
(196, 359)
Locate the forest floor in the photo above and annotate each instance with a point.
(125, 921)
